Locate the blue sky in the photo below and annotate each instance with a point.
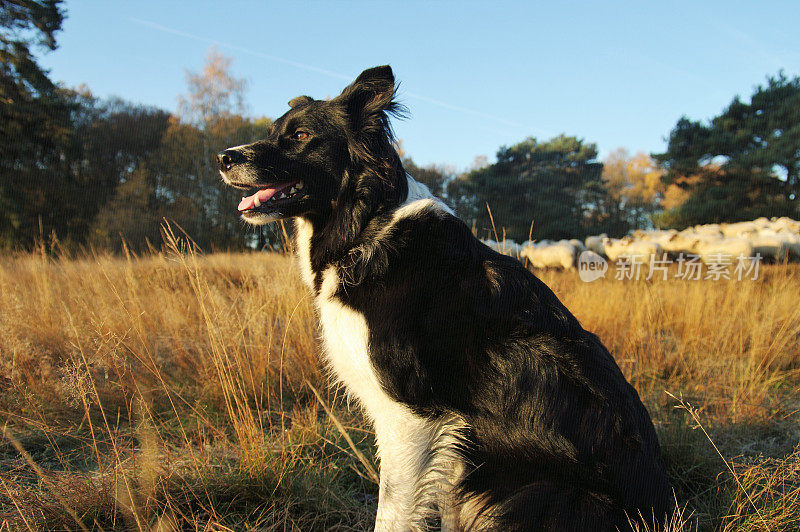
(474, 75)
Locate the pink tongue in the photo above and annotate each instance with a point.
(263, 195)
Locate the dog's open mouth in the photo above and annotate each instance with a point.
(268, 199)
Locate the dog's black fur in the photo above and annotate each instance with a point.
(555, 437)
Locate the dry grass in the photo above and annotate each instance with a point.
(171, 392)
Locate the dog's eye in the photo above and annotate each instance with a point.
(300, 135)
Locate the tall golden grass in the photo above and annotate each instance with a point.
(180, 391)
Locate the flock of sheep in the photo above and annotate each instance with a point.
(774, 240)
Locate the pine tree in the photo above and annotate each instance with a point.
(35, 125)
(743, 164)
(548, 189)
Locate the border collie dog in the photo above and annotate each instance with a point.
(493, 408)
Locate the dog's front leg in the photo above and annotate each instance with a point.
(404, 448)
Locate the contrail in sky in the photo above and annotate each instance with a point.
(329, 73)
(179, 33)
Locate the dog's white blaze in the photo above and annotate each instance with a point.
(408, 475)
(403, 438)
(345, 337)
(303, 232)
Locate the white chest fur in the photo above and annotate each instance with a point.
(404, 439)
(345, 333)
(345, 336)
(412, 476)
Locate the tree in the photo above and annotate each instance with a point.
(743, 164)
(213, 105)
(132, 217)
(214, 93)
(635, 187)
(179, 180)
(116, 139)
(35, 128)
(170, 184)
(551, 189)
(28, 99)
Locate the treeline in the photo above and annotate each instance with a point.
(107, 173)
(740, 165)
(97, 172)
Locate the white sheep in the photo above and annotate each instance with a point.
(613, 248)
(509, 247)
(762, 222)
(785, 224)
(727, 250)
(658, 236)
(641, 251)
(558, 255)
(636, 251)
(685, 243)
(708, 229)
(595, 243)
(739, 229)
(491, 243)
(578, 245)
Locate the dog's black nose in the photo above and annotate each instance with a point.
(228, 159)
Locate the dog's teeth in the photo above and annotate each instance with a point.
(257, 203)
(293, 191)
(299, 185)
(283, 195)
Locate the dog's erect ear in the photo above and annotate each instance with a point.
(300, 100)
(375, 84)
(367, 104)
(371, 94)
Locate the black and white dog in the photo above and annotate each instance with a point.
(491, 404)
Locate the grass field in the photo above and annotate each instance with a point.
(179, 391)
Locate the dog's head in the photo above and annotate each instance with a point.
(327, 160)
